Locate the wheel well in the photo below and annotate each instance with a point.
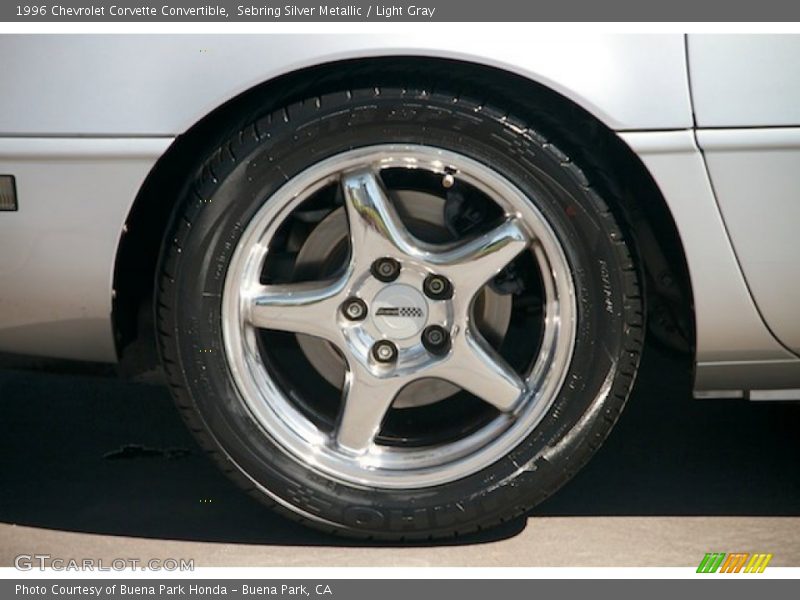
(614, 168)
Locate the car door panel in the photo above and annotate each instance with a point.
(746, 95)
(756, 177)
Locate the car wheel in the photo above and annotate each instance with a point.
(397, 314)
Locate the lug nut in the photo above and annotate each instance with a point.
(436, 339)
(354, 309)
(384, 351)
(385, 269)
(437, 287)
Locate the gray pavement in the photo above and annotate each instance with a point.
(96, 467)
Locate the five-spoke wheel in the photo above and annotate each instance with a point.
(400, 310)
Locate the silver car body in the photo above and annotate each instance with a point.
(715, 119)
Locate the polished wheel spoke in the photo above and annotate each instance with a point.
(375, 227)
(309, 308)
(477, 368)
(367, 399)
(471, 264)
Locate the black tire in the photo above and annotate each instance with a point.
(217, 205)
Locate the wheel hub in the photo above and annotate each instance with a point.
(399, 311)
(492, 310)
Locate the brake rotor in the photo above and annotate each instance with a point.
(423, 212)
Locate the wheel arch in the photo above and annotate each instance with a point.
(618, 171)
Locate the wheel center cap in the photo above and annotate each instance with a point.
(399, 311)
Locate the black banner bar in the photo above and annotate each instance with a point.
(404, 11)
(370, 589)
(730, 588)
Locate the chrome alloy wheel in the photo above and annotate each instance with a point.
(401, 311)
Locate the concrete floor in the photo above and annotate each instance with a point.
(677, 478)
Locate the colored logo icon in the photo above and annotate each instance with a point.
(738, 562)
